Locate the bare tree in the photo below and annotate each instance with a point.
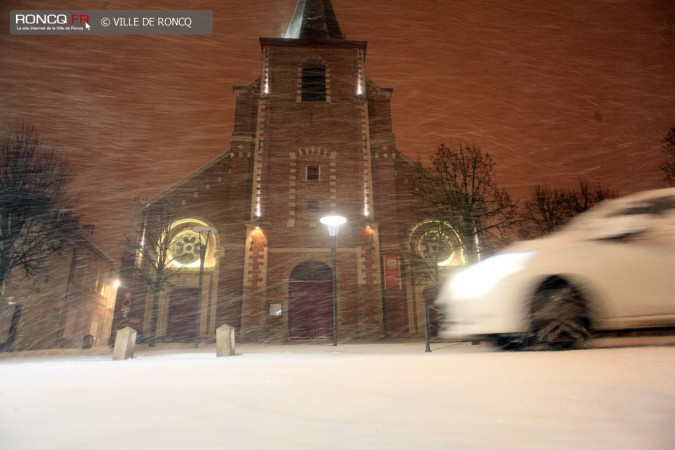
(546, 211)
(550, 208)
(668, 150)
(459, 187)
(154, 263)
(35, 208)
(588, 196)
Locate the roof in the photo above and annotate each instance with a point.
(187, 179)
(314, 19)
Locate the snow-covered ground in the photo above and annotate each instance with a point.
(355, 396)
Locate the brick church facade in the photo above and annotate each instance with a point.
(312, 137)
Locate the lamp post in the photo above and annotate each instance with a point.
(333, 223)
(202, 256)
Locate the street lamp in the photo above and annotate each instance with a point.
(333, 223)
(202, 256)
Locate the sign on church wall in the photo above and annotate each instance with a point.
(392, 272)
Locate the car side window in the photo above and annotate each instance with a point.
(653, 218)
(657, 207)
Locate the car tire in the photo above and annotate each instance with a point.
(559, 318)
(509, 343)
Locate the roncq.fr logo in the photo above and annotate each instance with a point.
(52, 19)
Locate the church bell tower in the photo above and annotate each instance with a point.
(311, 148)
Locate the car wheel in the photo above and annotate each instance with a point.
(509, 343)
(559, 318)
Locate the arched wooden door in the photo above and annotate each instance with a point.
(182, 315)
(310, 301)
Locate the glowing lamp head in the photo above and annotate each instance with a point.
(333, 223)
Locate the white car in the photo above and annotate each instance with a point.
(611, 268)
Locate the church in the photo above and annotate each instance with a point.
(312, 138)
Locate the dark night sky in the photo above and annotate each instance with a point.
(553, 90)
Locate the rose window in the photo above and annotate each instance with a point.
(437, 242)
(185, 247)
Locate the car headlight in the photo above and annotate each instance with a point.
(477, 280)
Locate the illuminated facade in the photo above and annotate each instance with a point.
(312, 137)
(70, 304)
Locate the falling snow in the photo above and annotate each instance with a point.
(554, 91)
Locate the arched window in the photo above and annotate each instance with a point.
(313, 82)
(186, 245)
(438, 243)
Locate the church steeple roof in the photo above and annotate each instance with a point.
(314, 19)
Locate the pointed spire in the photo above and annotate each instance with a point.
(314, 19)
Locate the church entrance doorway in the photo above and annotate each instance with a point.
(182, 315)
(310, 301)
